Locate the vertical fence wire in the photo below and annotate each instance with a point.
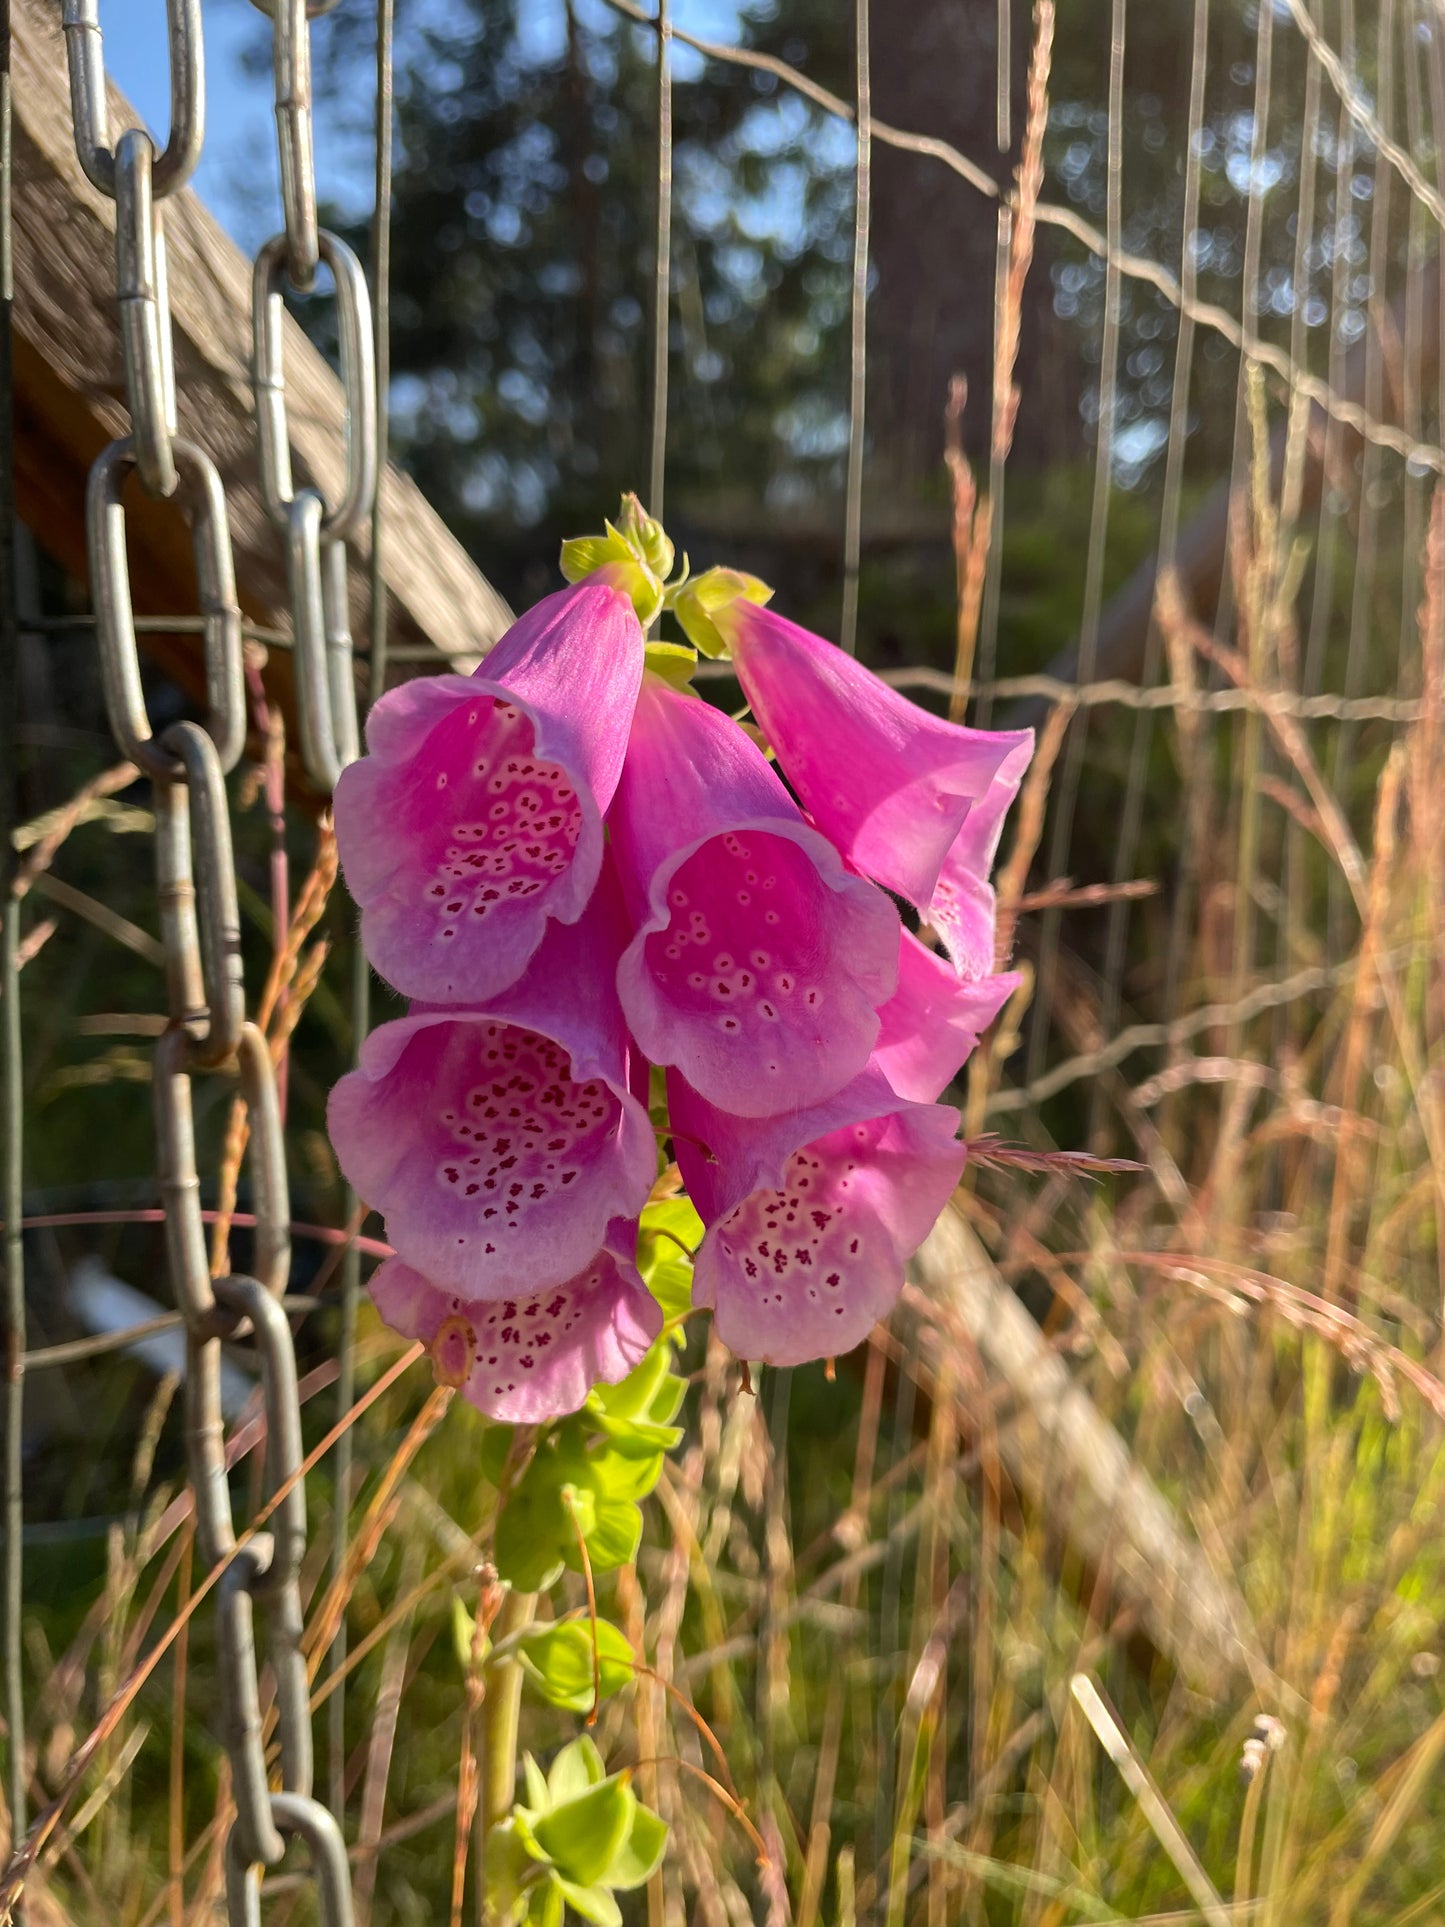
(380, 279)
(1098, 535)
(858, 381)
(1142, 738)
(662, 278)
(13, 1095)
(987, 647)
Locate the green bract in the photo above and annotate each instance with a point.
(558, 1660)
(586, 1476)
(581, 1836)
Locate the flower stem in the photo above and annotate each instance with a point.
(501, 1704)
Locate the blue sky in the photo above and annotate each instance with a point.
(237, 175)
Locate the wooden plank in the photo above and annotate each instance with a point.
(69, 392)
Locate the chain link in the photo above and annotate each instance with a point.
(196, 880)
(313, 531)
(145, 311)
(85, 56)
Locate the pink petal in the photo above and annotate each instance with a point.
(500, 1142)
(933, 1021)
(477, 815)
(759, 961)
(812, 1218)
(890, 784)
(963, 909)
(528, 1359)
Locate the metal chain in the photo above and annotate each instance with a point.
(314, 533)
(199, 919)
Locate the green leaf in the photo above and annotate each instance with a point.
(558, 1661)
(640, 1854)
(594, 1903)
(576, 1768)
(581, 1836)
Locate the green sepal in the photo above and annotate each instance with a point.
(651, 1391)
(581, 1836)
(617, 1535)
(671, 662)
(593, 1902)
(613, 559)
(696, 602)
(539, 1796)
(577, 1767)
(510, 1871)
(528, 1542)
(578, 1480)
(558, 1660)
(547, 1906)
(640, 1854)
(666, 1270)
(464, 1629)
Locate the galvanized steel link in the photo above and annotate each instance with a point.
(358, 381)
(315, 534)
(326, 1848)
(295, 137)
(145, 316)
(85, 58)
(321, 650)
(115, 615)
(193, 809)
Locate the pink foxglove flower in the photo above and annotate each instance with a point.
(500, 1142)
(963, 908)
(890, 784)
(759, 961)
(933, 1021)
(477, 815)
(811, 1217)
(526, 1359)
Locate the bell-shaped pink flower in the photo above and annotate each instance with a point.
(477, 815)
(526, 1359)
(933, 1021)
(499, 1143)
(759, 959)
(811, 1217)
(963, 908)
(890, 784)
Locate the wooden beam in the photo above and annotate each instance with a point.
(1071, 1467)
(70, 394)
